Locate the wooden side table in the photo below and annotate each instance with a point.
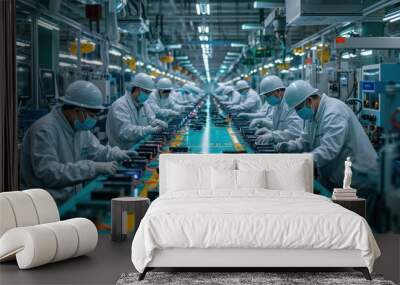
(356, 205)
(126, 214)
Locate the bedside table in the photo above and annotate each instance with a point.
(356, 205)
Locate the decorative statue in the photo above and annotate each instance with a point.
(347, 174)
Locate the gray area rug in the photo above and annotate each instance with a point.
(229, 278)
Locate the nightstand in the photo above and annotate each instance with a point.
(357, 205)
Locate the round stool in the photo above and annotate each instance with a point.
(126, 214)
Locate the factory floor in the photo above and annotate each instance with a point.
(110, 260)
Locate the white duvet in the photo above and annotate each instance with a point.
(250, 219)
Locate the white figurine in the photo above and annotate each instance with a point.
(347, 174)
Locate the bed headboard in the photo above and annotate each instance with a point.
(280, 161)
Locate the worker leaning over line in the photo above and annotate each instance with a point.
(249, 99)
(332, 133)
(160, 101)
(286, 124)
(59, 151)
(130, 118)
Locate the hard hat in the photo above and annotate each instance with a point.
(297, 92)
(144, 81)
(228, 90)
(83, 94)
(270, 83)
(164, 84)
(242, 84)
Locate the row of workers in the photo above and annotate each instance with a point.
(59, 151)
(300, 118)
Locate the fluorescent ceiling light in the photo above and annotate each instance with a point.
(203, 38)
(284, 71)
(248, 27)
(115, 52)
(128, 70)
(278, 61)
(182, 57)
(288, 58)
(391, 15)
(394, 19)
(203, 29)
(114, 67)
(48, 25)
(203, 9)
(140, 63)
(23, 44)
(366, 52)
(270, 4)
(174, 46)
(238, 45)
(229, 53)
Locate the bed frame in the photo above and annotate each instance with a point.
(246, 259)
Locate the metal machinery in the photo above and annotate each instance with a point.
(379, 91)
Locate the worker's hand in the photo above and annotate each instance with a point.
(173, 113)
(262, 131)
(285, 147)
(261, 122)
(159, 123)
(265, 139)
(152, 130)
(107, 168)
(244, 115)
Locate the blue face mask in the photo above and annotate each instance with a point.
(142, 97)
(273, 100)
(243, 93)
(306, 113)
(87, 124)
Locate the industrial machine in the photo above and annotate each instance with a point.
(379, 91)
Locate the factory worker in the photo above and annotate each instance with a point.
(286, 124)
(218, 93)
(233, 97)
(180, 98)
(189, 93)
(130, 118)
(332, 133)
(250, 100)
(160, 101)
(59, 151)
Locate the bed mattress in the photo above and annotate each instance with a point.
(251, 219)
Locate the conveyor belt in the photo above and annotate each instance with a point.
(207, 129)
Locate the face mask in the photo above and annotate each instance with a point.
(273, 100)
(243, 94)
(306, 113)
(142, 97)
(87, 124)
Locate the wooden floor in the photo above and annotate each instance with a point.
(110, 260)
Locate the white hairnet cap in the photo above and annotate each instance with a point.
(83, 94)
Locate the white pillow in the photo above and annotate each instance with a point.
(184, 177)
(292, 179)
(281, 174)
(251, 178)
(223, 179)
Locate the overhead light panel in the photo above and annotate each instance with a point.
(229, 53)
(47, 25)
(366, 52)
(270, 4)
(203, 38)
(174, 46)
(203, 9)
(182, 57)
(392, 16)
(115, 52)
(238, 45)
(248, 27)
(203, 29)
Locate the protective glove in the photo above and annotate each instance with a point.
(159, 123)
(173, 113)
(152, 130)
(262, 131)
(107, 168)
(244, 115)
(265, 139)
(285, 147)
(260, 122)
(120, 155)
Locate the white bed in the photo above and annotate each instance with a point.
(214, 211)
